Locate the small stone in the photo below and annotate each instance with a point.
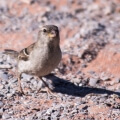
(102, 100)
(76, 80)
(74, 111)
(5, 116)
(34, 82)
(117, 80)
(9, 95)
(14, 80)
(38, 114)
(1, 111)
(92, 81)
(26, 77)
(92, 72)
(5, 66)
(48, 112)
(108, 10)
(54, 116)
(104, 78)
(63, 118)
(3, 76)
(39, 84)
(1, 86)
(80, 84)
(1, 104)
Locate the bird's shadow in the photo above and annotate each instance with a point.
(65, 87)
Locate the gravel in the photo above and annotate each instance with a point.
(87, 29)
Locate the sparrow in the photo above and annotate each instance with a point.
(40, 58)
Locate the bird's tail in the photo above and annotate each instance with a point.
(12, 53)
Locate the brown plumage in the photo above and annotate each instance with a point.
(41, 57)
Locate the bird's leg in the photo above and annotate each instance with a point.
(19, 83)
(48, 90)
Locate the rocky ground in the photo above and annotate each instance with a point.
(87, 81)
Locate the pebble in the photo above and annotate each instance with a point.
(1, 104)
(117, 80)
(35, 83)
(39, 84)
(1, 86)
(48, 112)
(26, 76)
(93, 81)
(63, 118)
(13, 80)
(74, 111)
(76, 80)
(5, 116)
(9, 95)
(5, 66)
(1, 111)
(3, 76)
(104, 78)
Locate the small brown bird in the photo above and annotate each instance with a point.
(41, 57)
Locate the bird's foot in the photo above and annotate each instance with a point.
(49, 92)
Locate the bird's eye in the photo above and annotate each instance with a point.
(44, 30)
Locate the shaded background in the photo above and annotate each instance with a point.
(85, 25)
(90, 43)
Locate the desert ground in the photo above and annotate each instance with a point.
(87, 80)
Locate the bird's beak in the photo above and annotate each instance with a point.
(52, 34)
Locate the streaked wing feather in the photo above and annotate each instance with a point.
(24, 53)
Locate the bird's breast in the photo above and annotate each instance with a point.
(45, 60)
(41, 62)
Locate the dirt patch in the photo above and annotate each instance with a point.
(107, 60)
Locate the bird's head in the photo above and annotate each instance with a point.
(49, 34)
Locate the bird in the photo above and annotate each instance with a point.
(41, 57)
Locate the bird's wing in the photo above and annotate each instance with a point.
(24, 53)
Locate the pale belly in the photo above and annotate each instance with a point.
(40, 64)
